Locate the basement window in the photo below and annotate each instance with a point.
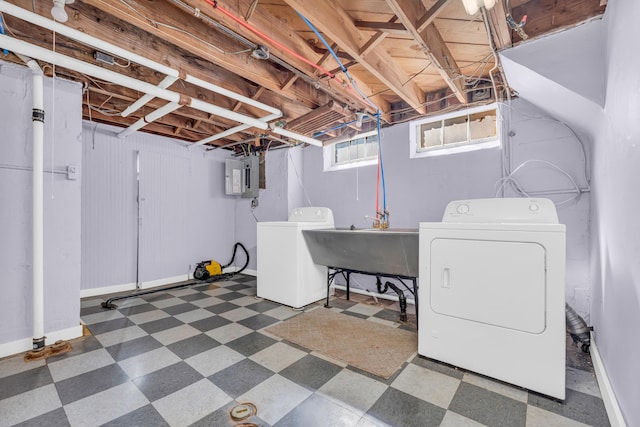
(457, 132)
(358, 150)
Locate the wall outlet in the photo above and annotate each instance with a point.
(72, 172)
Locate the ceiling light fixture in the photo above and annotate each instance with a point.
(472, 6)
(58, 12)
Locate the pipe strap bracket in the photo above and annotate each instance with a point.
(184, 100)
(37, 115)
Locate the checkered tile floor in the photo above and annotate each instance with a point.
(187, 357)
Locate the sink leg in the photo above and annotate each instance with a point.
(348, 282)
(415, 299)
(328, 287)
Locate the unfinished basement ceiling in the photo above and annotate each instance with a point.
(410, 58)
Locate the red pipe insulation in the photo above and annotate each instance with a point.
(215, 5)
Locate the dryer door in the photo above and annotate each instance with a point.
(499, 283)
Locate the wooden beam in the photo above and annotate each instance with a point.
(284, 35)
(385, 27)
(255, 97)
(431, 14)
(432, 43)
(334, 21)
(544, 16)
(499, 28)
(262, 73)
(376, 39)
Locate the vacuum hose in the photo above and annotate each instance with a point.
(578, 329)
(108, 304)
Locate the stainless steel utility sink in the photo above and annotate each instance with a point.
(388, 252)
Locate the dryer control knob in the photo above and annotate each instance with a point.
(534, 208)
(318, 212)
(462, 209)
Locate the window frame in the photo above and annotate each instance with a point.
(415, 151)
(329, 153)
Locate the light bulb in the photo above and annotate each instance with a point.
(58, 12)
(488, 4)
(470, 6)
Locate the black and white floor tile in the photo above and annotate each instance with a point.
(187, 357)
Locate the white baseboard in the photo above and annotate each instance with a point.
(249, 272)
(85, 293)
(371, 294)
(608, 396)
(165, 281)
(26, 344)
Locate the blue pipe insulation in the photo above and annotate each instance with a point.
(5, 51)
(384, 187)
(340, 126)
(365, 97)
(317, 33)
(335, 56)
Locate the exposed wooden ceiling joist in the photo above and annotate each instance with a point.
(411, 13)
(283, 35)
(499, 28)
(544, 16)
(333, 20)
(388, 46)
(387, 27)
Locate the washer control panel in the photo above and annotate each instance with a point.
(509, 210)
(311, 214)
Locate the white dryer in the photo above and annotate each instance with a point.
(286, 272)
(492, 291)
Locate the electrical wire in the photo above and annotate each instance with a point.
(519, 189)
(304, 190)
(583, 150)
(254, 30)
(493, 50)
(181, 30)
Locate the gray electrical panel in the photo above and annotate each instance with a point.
(241, 176)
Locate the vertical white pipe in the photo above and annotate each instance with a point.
(37, 118)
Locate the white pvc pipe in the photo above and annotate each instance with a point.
(144, 99)
(24, 48)
(151, 117)
(101, 45)
(296, 136)
(233, 130)
(118, 51)
(222, 91)
(37, 90)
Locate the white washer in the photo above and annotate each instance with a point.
(286, 272)
(492, 291)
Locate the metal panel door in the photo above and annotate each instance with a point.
(499, 283)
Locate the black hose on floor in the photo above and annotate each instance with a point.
(108, 304)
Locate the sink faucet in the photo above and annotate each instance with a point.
(381, 220)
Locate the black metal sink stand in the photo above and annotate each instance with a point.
(332, 272)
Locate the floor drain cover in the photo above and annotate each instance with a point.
(243, 411)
